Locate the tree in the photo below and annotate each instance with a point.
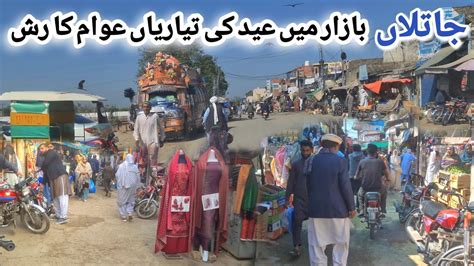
(194, 57)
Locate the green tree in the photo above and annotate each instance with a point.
(193, 56)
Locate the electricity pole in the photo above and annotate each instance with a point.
(321, 65)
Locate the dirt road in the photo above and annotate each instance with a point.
(96, 235)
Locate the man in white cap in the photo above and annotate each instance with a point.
(214, 120)
(330, 202)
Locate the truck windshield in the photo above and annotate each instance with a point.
(163, 98)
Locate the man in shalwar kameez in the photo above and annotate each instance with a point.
(297, 193)
(330, 202)
(128, 178)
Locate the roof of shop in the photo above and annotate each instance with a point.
(436, 59)
(49, 96)
(469, 57)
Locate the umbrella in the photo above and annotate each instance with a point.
(377, 86)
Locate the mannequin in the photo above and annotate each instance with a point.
(174, 230)
(211, 191)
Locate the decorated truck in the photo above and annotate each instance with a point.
(176, 92)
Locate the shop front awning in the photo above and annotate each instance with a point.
(442, 54)
(465, 63)
(49, 96)
(375, 87)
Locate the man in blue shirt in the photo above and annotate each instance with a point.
(330, 202)
(407, 159)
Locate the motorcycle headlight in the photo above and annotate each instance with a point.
(25, 192)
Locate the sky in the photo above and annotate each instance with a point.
(108, 70)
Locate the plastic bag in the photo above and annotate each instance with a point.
(91, 186)
(289, 218)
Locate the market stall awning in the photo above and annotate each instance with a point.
(49, 96)
(377, 86)
(465, 63)
(436, 59)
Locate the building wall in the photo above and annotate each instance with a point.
(404, 53)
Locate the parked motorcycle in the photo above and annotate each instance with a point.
(411, 196)
(435, 228)
(434, 113)
(37, 191)
(462, 254)
(8, 245)
(455, 111)
(18, 201)
(146, 201)
(372, 211)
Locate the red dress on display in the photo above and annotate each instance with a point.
(174, 220)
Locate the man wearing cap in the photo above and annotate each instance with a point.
(331, 203)
(149, 133)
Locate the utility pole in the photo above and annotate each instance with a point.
(321, 65)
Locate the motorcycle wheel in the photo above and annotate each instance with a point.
(38, 223)
(372, 231)
(146, 212)
(453, 257)
(446, 118)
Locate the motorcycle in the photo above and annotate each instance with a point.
(37, 191)
(18, 201)
(265, 115)
(372, 211)
(8, 245)
(367, 113)
(411, 198)
(250, 115)
(146, 201)
(454, 111)
(434, 113)
(438, 228)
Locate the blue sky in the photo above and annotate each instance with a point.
(110, 69)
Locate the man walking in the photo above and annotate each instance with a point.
(95, 165)
(53, 168)
(407, 159)
(297, 193)
(149, 134)
(373, 173)
(331, 203)
(354, 159)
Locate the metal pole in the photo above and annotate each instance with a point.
(321, 63)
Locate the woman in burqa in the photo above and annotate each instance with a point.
(128, 178)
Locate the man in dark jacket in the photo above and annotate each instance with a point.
(331, 203)
(53, 168)
(108, 175)
(354, 159)
(95, 165)
(373, 174)
(297, 193)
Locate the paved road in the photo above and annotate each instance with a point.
(96, 235)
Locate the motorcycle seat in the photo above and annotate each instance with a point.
(372, 196)
(470, 206)
(432, 208)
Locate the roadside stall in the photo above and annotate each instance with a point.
(40, 116)
(451, 176)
